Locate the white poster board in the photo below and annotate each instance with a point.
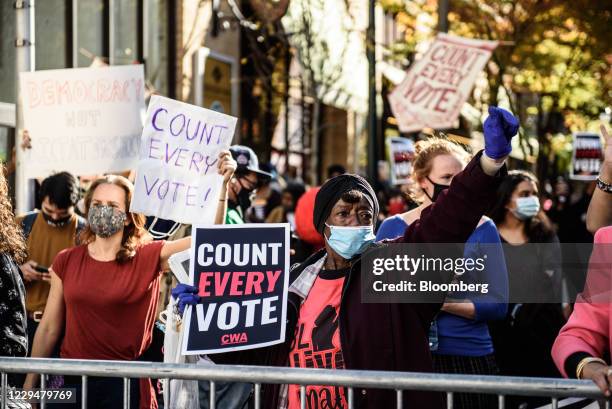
(436, 86)
(177, 175)
(82, 120)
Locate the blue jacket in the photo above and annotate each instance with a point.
(458, 335)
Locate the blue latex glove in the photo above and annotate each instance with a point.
(499, 128)
(186, 295)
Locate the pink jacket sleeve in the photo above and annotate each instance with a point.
(588, 328)
(586, 331)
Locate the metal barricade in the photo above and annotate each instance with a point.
(258, 375)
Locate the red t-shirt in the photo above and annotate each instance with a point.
(317, 341)
(110, 307)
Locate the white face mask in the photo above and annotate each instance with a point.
(526, 207)
(348, 241)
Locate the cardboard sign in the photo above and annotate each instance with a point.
(242, 273)
(177, 175)
(586, 157)
(401, 155)
(82, 120)
(437, 85)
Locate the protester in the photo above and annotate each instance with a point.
(48, 231)
(304, 209)
(13, 324)
(522, 341)
(600, 210)
(247, 179)
(119, 257)
(568, 213)
(335, 170)
(326, 289)
(459, 337)
(584, 343)
(285, 213)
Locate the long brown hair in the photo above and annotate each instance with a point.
(134, 234)
(12, 242)
(425, 152)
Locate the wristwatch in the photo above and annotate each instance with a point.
(606, 187)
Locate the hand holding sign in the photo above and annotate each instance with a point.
(181, 147)
(499, 128)
(186, 295)
(227, 166)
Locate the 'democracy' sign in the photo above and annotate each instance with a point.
(401, 155)
(437, 85)
(242, 273)
(177, 175)
(82, 120)
(587, 155)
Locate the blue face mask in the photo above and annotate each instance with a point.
(526, 207)
(348, 241)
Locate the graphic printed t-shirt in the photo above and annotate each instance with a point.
(44, 242)
(317, 341)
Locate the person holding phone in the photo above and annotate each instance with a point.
(48, 231)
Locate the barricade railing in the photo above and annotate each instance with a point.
(501, 386)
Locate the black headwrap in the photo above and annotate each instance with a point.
(332, 191)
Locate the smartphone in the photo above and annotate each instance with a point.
(42, 269)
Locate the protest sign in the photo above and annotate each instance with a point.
(586, 157)
(177, 175)
(436, 86)
(401, 154)
(82, 120)
(242, 273)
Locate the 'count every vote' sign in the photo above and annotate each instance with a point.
(242, 276)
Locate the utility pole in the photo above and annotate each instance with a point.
(443, 16)
(287, 101)
(24, 61)
(372, 113)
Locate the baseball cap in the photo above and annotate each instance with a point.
(247, 161)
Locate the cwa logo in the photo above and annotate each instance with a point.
(239, 338)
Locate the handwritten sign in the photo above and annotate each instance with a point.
(437, 85)
(401, 155)
(177, 175)
(587, 155)
(82, 120)
(242, 273)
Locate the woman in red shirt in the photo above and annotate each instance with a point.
(104, 293)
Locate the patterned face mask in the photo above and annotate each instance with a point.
(105, 221)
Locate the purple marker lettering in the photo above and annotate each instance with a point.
(154, 118)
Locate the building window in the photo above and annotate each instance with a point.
(7, 52)
(156, 52)
(125, 29)
(52, 34)
(92, 32)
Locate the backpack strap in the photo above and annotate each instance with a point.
(81, 224)
(28, 222)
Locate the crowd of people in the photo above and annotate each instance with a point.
(84, 278)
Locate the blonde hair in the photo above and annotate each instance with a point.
(425, 152)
